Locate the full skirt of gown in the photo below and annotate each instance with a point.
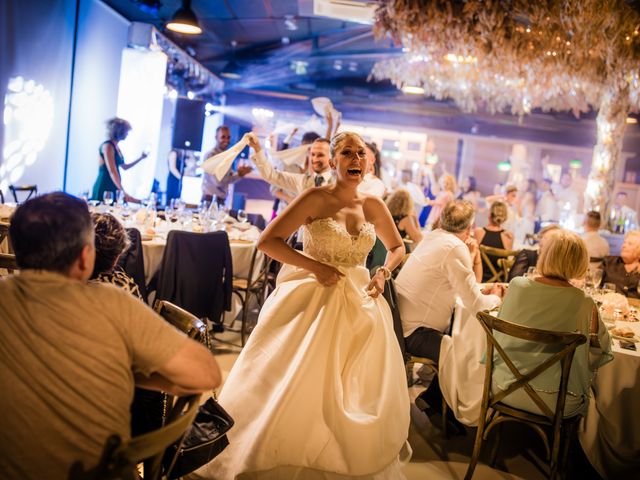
(319, 390)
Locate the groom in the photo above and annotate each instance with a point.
(319, 174)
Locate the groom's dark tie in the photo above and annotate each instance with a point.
(319, 180)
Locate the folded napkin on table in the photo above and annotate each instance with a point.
(250, 235)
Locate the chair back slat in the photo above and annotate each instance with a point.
(568, 342)
(505, 258)
(4, 231)
(31, 190)
(8, 262)
(181, 319)
(151, 446)
(119, 460)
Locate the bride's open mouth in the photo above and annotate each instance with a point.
(354, 172)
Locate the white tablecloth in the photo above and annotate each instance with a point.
(241, 252)
(611, 437)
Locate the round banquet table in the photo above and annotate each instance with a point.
(611, 434)
(241, 251)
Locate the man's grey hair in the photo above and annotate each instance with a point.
(457, 216)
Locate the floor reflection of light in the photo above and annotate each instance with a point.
(28, 119)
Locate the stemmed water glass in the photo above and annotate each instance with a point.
(107, 198)
(242, 217)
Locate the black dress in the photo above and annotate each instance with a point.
(397, 219)
(174, 185)
(626, 282)
(491, 239)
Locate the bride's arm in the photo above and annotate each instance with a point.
(377, 213)
(273, 240)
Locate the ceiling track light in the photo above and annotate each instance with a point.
(232, 69)
(184, 20)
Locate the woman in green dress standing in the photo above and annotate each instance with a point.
(111, 160)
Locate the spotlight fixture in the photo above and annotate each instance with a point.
(231, 70)
(184, 20)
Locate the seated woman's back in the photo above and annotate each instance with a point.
(494, 236)
(551, 303)
(547, 307)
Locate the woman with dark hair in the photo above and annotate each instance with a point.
(111, 241)
(111, 160)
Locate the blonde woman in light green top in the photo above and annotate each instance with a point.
(550, 302)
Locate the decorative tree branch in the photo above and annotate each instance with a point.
(517, 55)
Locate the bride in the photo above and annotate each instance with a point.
(319, 391)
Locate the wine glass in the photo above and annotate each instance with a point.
(531, 273)
(152, 200)
(121, 199)
(609, 288)
(223, 213)
(242, 216)
(107, 198)
(170, 212)
(596, 276)
(203, 211)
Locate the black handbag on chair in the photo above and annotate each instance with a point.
(206, 439)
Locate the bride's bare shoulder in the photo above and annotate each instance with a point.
(371, 202)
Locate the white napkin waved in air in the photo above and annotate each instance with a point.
(291, 156)
(220, 164)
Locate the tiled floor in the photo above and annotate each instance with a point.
(435, 457)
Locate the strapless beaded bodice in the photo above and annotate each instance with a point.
(328, 241)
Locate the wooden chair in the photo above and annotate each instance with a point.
(183, 321)
(8, 262)
(119, 460)
(494, 412)
(505, 262)
(391, 297)
(4, 231)
(255, 285)
(31, 190)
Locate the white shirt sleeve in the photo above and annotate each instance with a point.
(291, 182)
(463, 280)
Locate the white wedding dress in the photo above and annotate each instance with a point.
(319, 391)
